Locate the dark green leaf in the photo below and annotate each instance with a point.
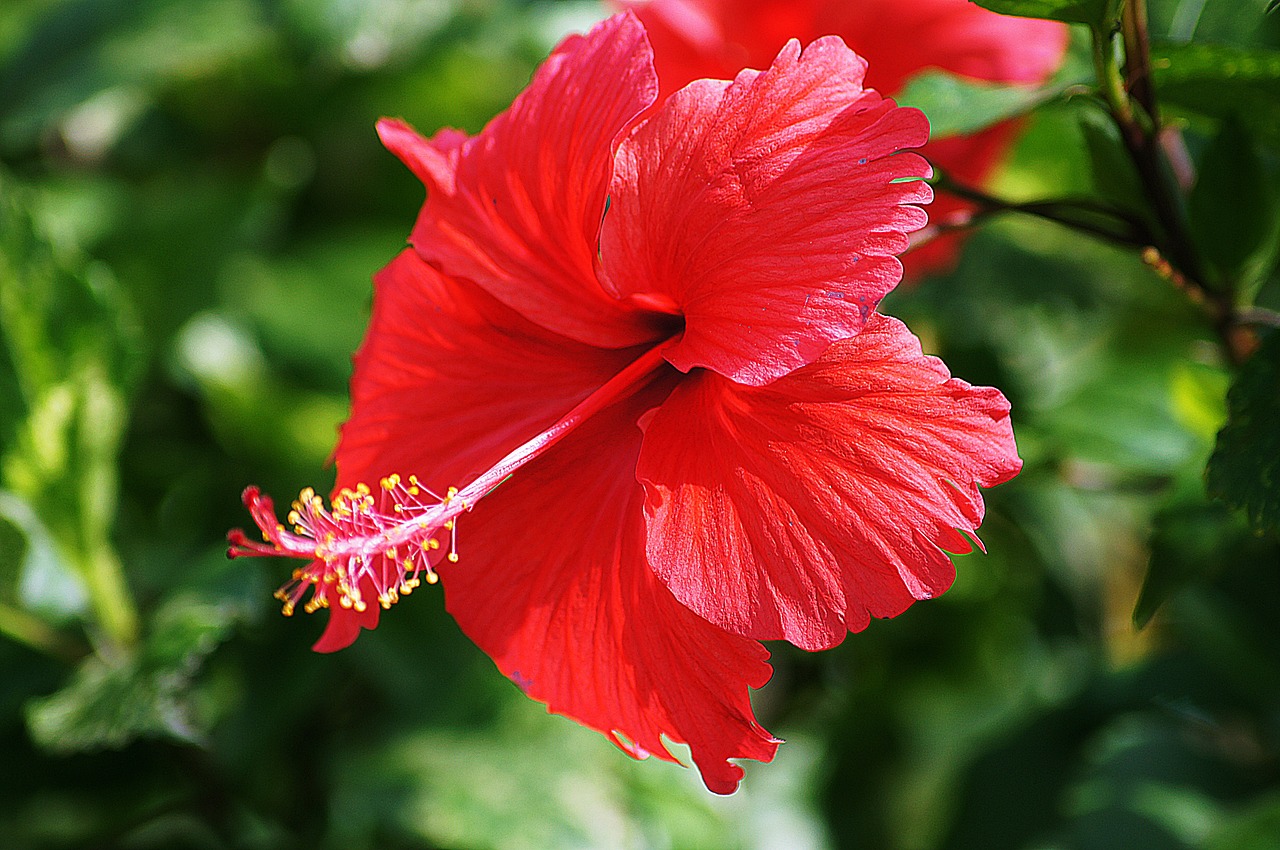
(1100, 14)
(1198, 81)
(1111, 170)
(111, 702)
(959, 106)
(1245, 468)
(1231, 207)
(1188, 543)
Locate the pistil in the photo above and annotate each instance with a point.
(383, 546)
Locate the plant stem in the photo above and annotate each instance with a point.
(1258, 316)
(116, 614)
(28, 629)
(1141, 136)
(1137, 55)
(1079, 214)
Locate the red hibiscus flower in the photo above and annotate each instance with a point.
(645, 351)
(693, 39)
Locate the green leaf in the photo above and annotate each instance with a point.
(1099, 14)
(114, 58)
(1244, 470)
(1232, 205)
(1255, 825)
(72, 352)
(1214, 81)
(110, 702)
(959, 106)
(1111, 170)
(1188, 543)
(33, 575)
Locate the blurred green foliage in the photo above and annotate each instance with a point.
(192, 201)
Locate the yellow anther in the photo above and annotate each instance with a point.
(287, 610)
(413, 491)
(432, 543)
(398, 508)
(344, 601)
(453, 557)
(294, 517)
(362, 489)
(306, 495)
(432, 578)
(448, 525)
(360, 606)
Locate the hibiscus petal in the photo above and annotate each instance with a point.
(714, 38)
(766, 210)
(553, 585)
(827, 497)
(447, 381)
(970, 161)
(517, 208)
(902, 39)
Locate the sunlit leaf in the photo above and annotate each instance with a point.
(1100, 14)
(1217, 81)
(73, 353)
(33, 574)
(958, 105)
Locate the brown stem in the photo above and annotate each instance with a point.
(1137, 55)
(1141, 137)
(1080, 214)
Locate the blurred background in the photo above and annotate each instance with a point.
(192, 201)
